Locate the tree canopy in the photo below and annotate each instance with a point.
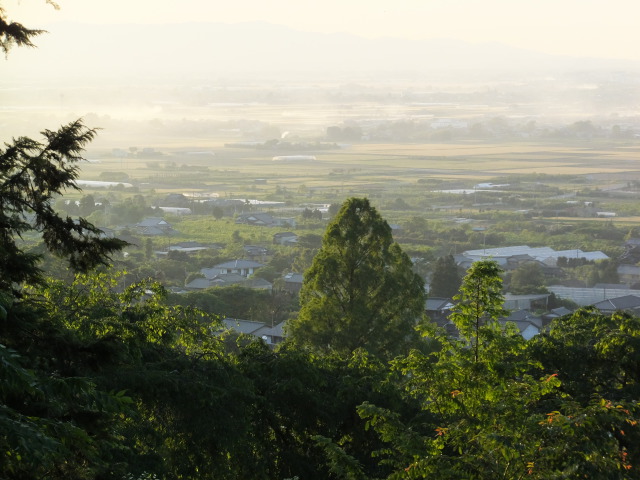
(360, 291)
(479, 304)
(527, 278)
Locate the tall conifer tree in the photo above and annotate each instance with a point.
(360, 291)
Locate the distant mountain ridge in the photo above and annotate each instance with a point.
(180, 50)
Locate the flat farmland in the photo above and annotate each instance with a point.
(546, 184)
(367, 163)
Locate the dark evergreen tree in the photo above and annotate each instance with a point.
(527, 278)
(32, 175)
(14, 34)
(360, 291)
(445, 280)
(217, 212)
(49, 418)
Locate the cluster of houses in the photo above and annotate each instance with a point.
(265, 220)
(157, 226)
(604, 297)
(241, 272)
(521, 309)
(438, 310)
(510, 258)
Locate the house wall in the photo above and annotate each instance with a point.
(245, 272)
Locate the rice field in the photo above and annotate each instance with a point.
(376, 163)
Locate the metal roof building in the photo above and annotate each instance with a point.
(543, 254)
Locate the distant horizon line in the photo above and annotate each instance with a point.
(438, 39)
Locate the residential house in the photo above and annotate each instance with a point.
(190, 247)
(553, 314)
(186, 247)
(154, 226)
(264, 220)
(257, 219)
(127, 236)
(254, 252)
(285, 238)
(463, 262)
(528, 324)
(258, 283)
(516, 261)
(246, 327)
(241, 267)
(199, 284)
(438, 309)
(222, 280)
(293, 282)
(227, 280)
(271, 335)
(626, 303)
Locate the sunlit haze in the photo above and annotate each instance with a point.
(317, 64)
(594, 28)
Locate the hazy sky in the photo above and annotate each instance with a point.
(593, 28)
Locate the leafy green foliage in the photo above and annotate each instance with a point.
(554, 408)
(305, 406)
(479, 305)
(102, 341)
(360, 291)
(47, 418)
(240, 302)
(593, 354)
(527, 278)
